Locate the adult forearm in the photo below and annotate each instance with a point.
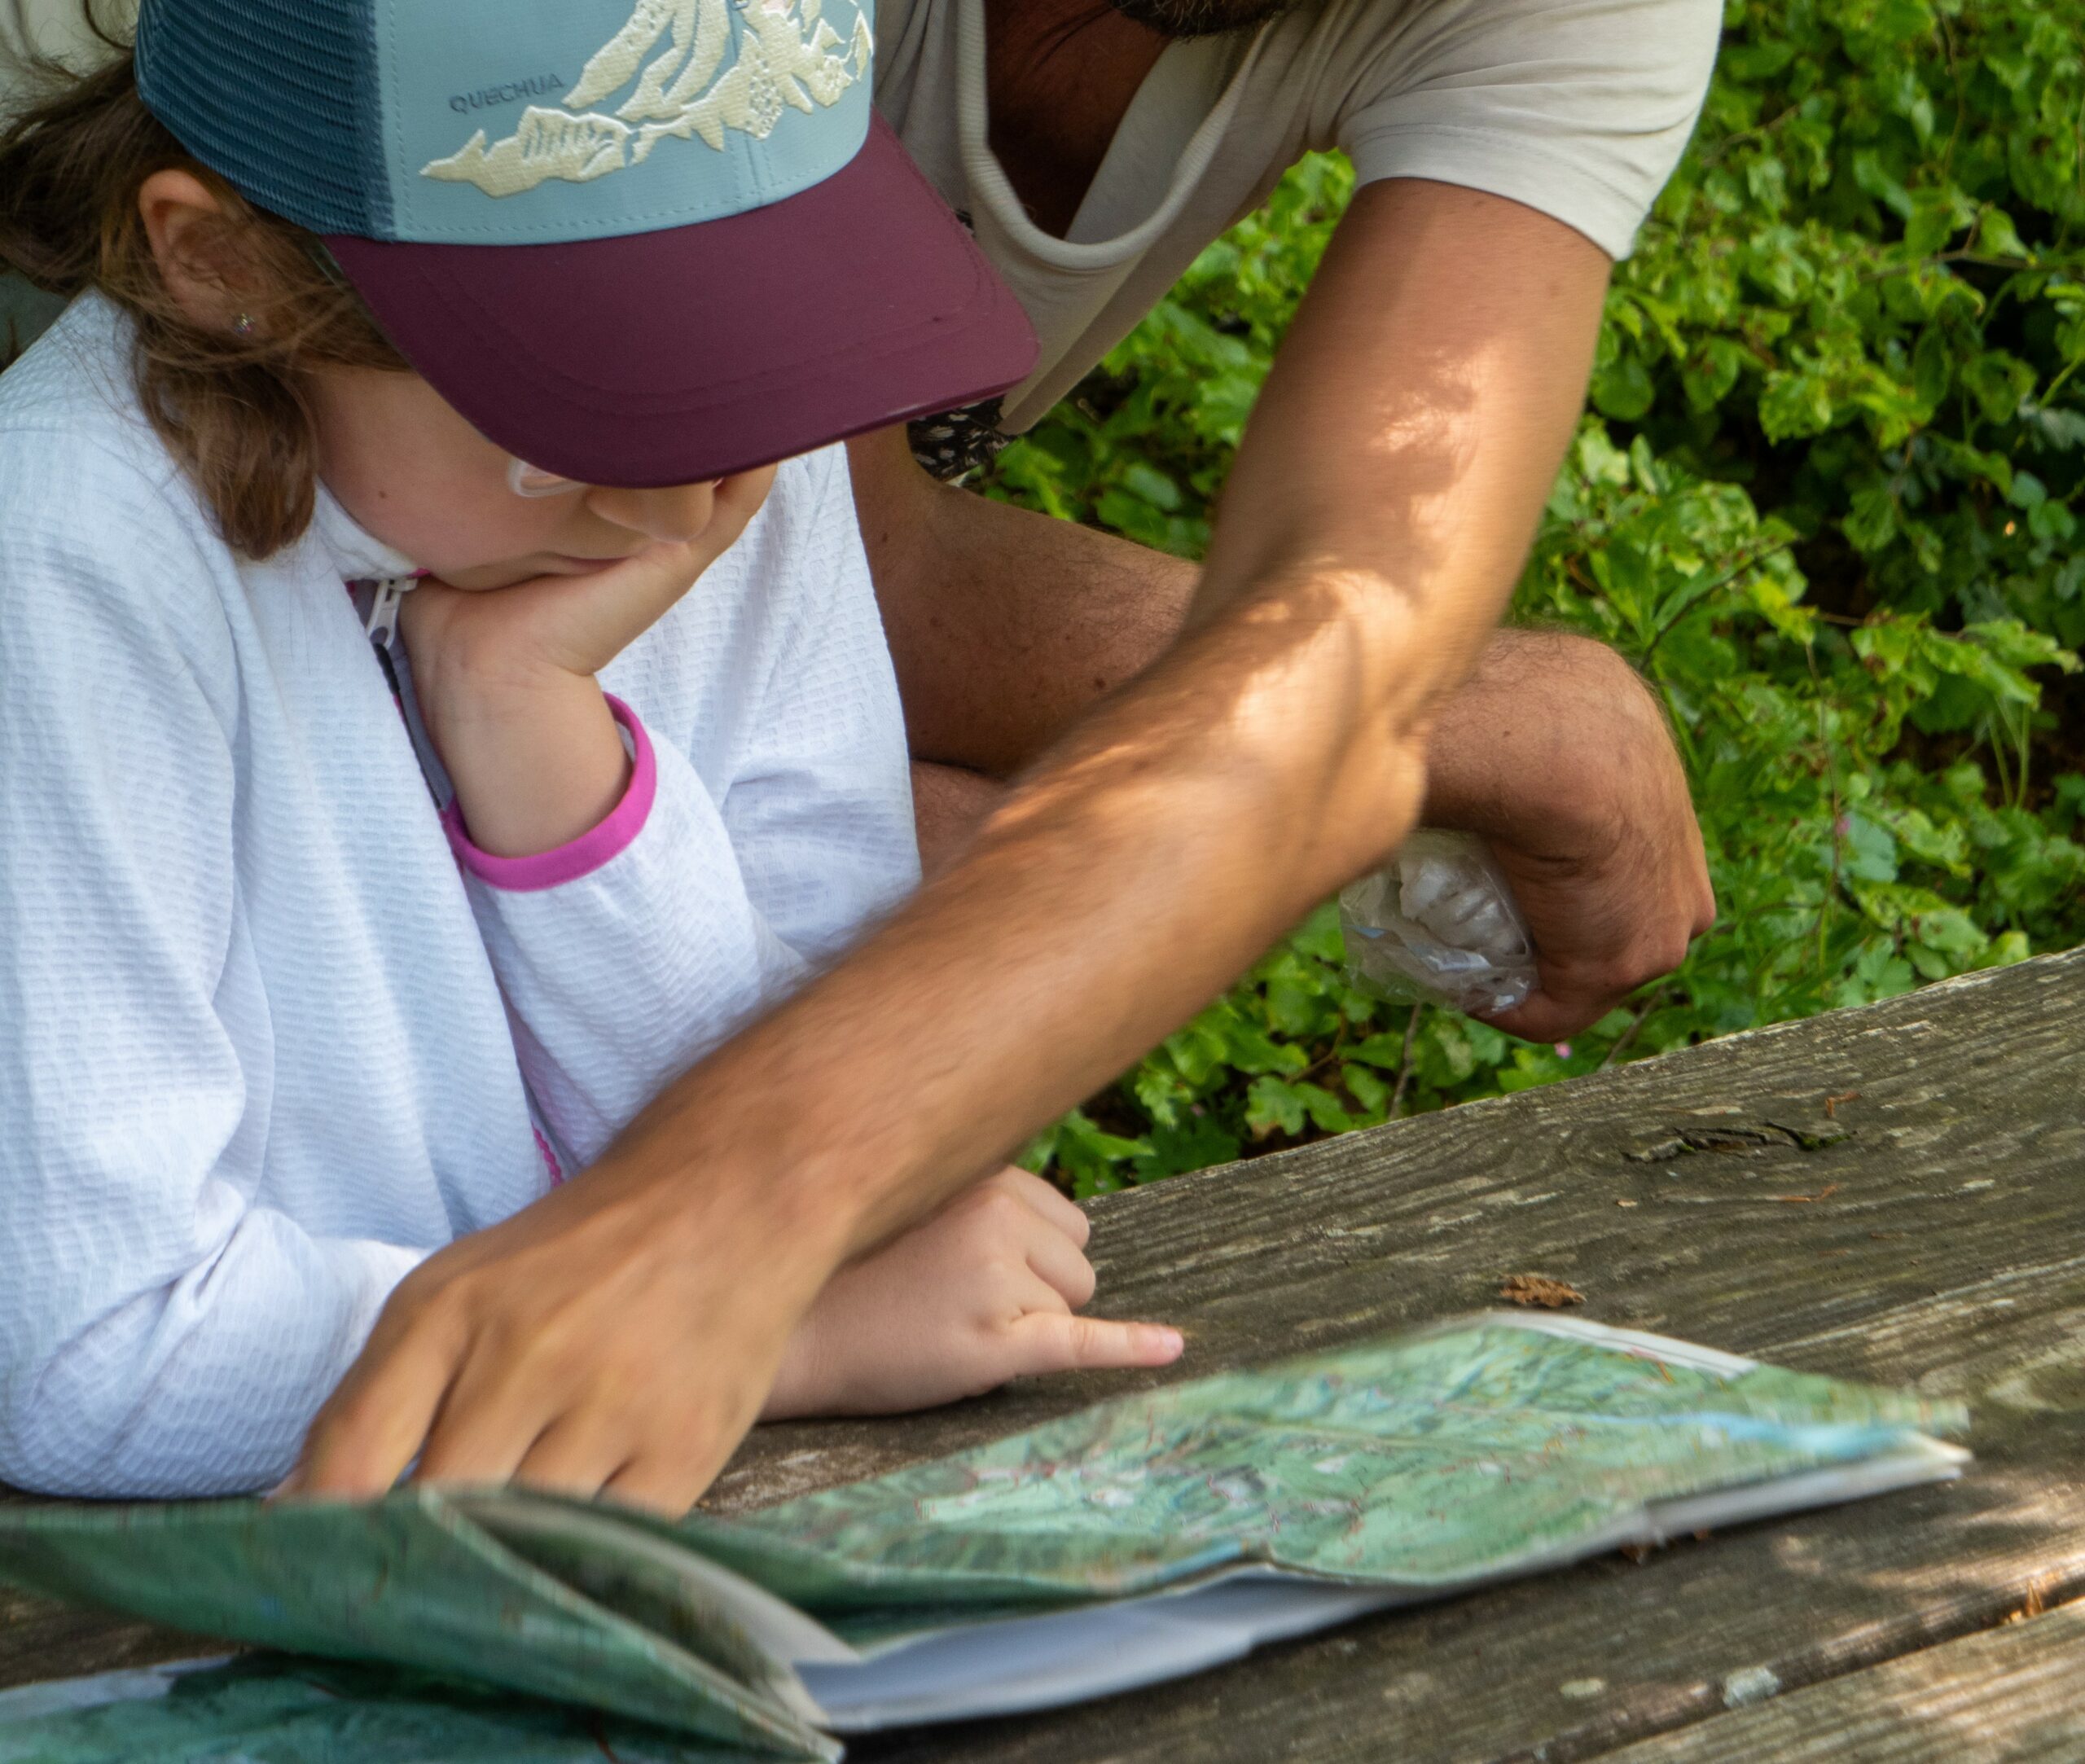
(1121, 886)
(1367, 546)
(1376, 522)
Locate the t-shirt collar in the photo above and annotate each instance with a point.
(349, 548)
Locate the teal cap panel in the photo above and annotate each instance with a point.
(278, 96)
(560, 121)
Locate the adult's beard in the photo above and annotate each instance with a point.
(1200, 18)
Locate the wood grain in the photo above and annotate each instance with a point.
(1928, 1230)
(2009, 1697)
(40, 1640)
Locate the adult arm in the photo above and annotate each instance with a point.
(622, 1334)
(1007, 626)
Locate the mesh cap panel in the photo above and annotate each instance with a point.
(279, 97)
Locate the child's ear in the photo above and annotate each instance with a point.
(184, 222)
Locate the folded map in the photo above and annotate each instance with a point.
(1147, 1538)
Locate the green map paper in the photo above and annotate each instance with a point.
(277, 1709)
(1415, 1466)
(1428, 1461)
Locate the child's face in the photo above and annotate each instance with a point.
(419, 477)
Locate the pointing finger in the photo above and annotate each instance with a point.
(1052, 1341)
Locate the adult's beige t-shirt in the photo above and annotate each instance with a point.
(1579, 108)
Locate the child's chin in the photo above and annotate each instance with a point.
(486, 578)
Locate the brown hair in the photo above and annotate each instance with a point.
(234, 409)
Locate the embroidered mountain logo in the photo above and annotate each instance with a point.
(788, 57)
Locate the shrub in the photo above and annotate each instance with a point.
(1826, 499)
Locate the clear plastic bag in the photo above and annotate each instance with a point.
(1438, 925)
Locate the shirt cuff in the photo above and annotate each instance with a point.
(580, 857)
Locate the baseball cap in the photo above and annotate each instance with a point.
(634, 241)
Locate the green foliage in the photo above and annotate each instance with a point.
(1827, 501)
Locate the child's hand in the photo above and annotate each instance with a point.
(981, 1292)
(505, 678)
(477, 639)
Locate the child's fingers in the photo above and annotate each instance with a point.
(650, 585)
(739, 497)
(1052, 1341)
(1057, 1260)
(1044, 1198)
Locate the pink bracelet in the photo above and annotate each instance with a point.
(580, 857)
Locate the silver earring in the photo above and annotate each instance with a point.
(243, 325)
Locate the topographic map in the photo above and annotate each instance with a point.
(1428, 1460)
(1408, 1467)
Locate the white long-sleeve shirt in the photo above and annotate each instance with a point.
(267, 1039)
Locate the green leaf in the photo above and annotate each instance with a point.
(1319, 936)
(1366, 1087)
(1623, 388)
(1385, 1050)
(1870, 848)
(1998, 237)
(1148, 483)
(1323, 1108)
(1196, 1143)
(1998, 381)
(1931, 223)
(1251, 1049)
(2052, 521)
(1272, 1105)
(1795, 405)
(1871, 524)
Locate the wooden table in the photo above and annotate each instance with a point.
(1895, 1193)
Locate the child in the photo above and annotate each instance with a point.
(383, 819)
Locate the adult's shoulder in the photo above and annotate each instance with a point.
(1359, 48)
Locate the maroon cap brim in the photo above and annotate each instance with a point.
(674, 357)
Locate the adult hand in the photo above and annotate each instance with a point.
(1558, 756)
(618, 1337)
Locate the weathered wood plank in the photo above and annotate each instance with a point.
(1944, 1245)
(2009, 1694)
(39, 1640)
